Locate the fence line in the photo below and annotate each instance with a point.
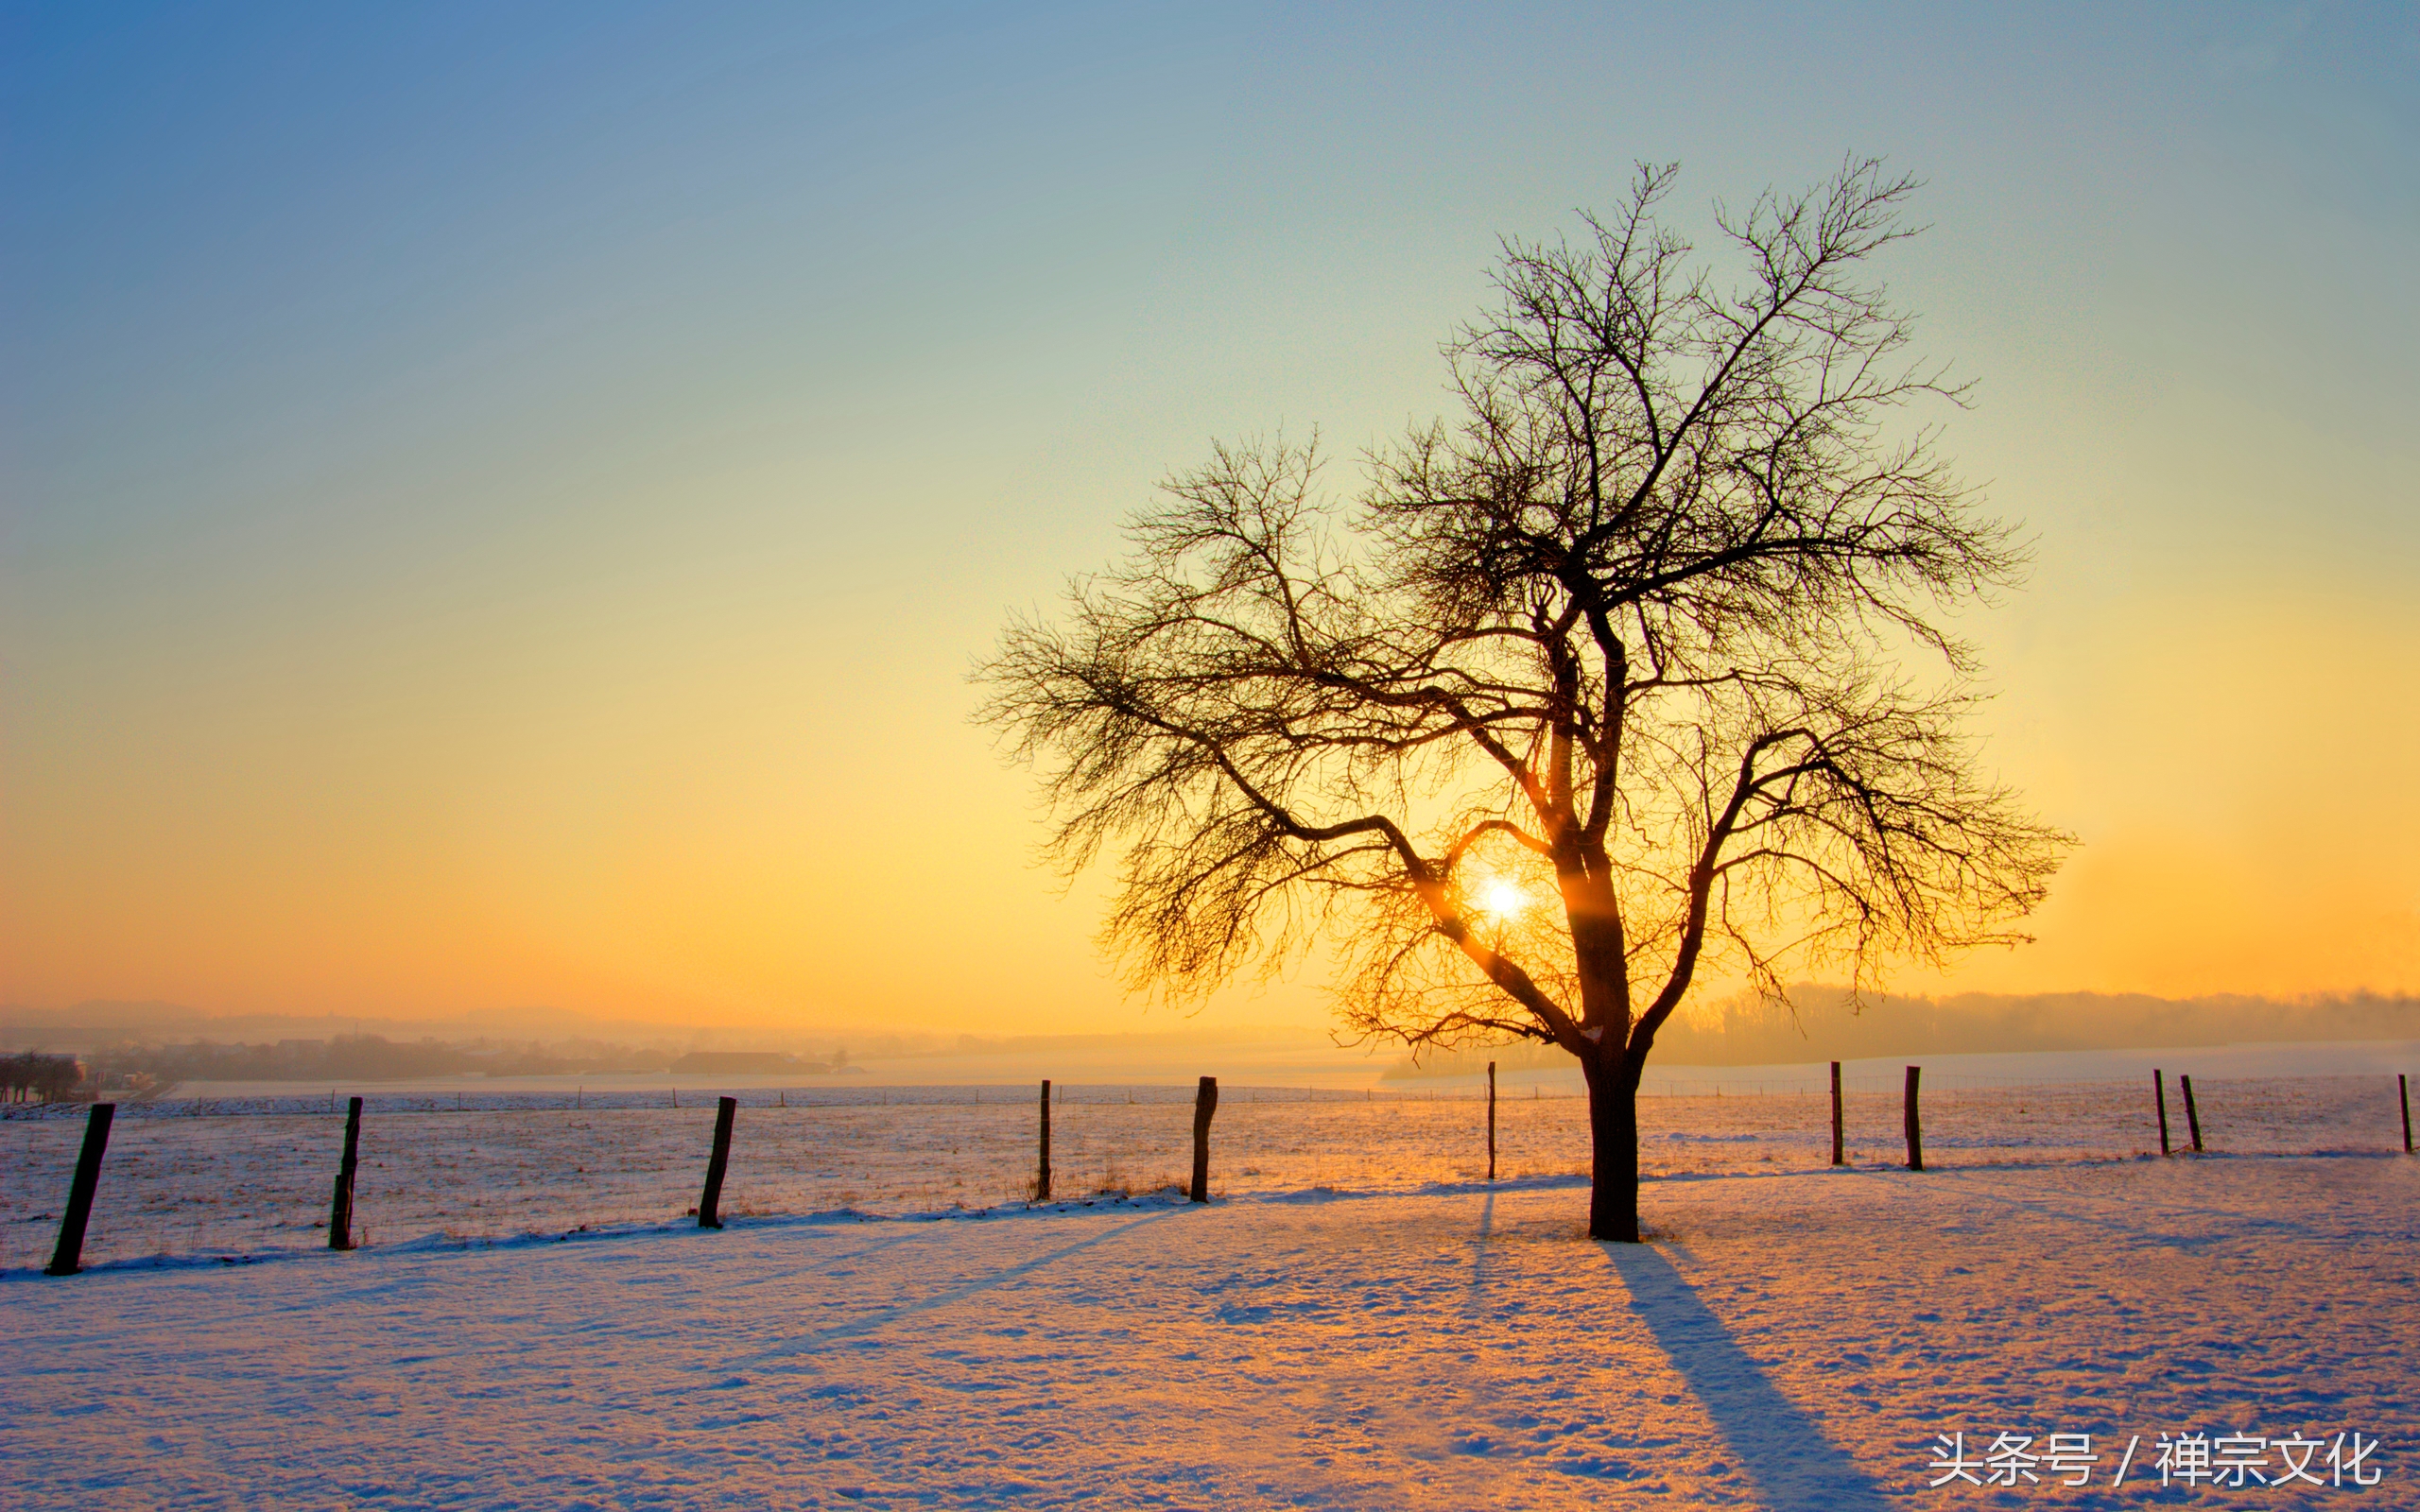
(600, 1161)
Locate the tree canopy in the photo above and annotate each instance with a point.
(1642, 663)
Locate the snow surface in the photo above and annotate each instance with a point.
(1795, 1338)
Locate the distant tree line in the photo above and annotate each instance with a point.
(36, 1077)
(363, 1058)
(150, 1069)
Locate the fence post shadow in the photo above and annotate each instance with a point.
(1783, 1451)
(1472, 1300)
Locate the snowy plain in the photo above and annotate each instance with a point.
(1355, 1322)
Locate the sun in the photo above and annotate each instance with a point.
(1502, 898)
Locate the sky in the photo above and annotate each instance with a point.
(498, 504)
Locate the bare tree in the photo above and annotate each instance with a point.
(1602, 687)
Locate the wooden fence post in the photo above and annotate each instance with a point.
(1915, 1126)
(1206, 1102)
(1042, 1180)
(340, 1207)
(1491, 1120)
(1835, 1115)
(66, 1259)
(2193, 1114)
(2159, 1100)
(709, 1206)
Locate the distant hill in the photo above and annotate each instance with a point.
(1826, 1026)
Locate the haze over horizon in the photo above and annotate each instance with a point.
(496, 508)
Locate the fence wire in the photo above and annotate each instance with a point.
(236, 1178)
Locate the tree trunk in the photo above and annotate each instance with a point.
(1613, 1129)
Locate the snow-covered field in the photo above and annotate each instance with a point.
(221, 1178)
(1796, 1338)
(1357, 1321)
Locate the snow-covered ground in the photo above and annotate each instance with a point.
(1796, 1338)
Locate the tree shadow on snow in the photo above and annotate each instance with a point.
(1783, 1451)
